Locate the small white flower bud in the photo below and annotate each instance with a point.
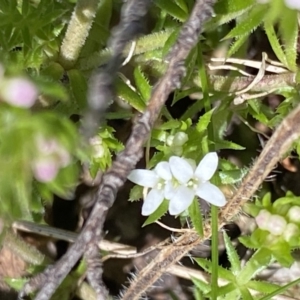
(294, 214)
(293, 4)
(180, 138)
(290, 231)
(276, 224)
(262, 219)
(18, 92)
(170, 139)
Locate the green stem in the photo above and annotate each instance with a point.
(23, 250)
(203, 79)
(214, 252)
(77, 31)
(143, 45)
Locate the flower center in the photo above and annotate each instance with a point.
(160, 185)
(192, 183)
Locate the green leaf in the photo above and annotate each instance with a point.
(205, 144)
(104, 13)
(197, 294)
(171, 124)
(145, 44)
(161, 210)
(207, 266)
(259, 261)
(231, 6)
(227, 10)
(248, 24)
(232, 255)
(288, 27)
(237, 44)
(196, 216)
(172, 9)
(129, 95)
(53, 70)
(155, 159)
(288, 199)
(204, 121)
(266, 200)
(282, 253)
(233, 176)
(201, 285)
(15, 283)
(142, 84)
(136, 193)
(227, 289)
(78, 87)
(245, 293)
(262, 286)
(170, 42)
(273, 39)
(281, 290)
(182, 4)
(227, 145)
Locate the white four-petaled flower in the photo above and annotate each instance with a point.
(292, 4)
(179, 181)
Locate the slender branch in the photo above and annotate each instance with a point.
(69, 236)
(234, 84)
(101, 89)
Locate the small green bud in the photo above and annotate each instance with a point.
(290, 231)
(294, 214)
(180, 138)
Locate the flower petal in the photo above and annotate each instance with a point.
(162, 169)
(181, 169)
(152, 202)
(146, 178)
(181, 200)
(170, 190)
(207, 166)
(211, 194)
(292, 4)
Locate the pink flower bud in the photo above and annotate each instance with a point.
(18, 92)
(262, 219)
(51, 147)
(276, 224)
(45, 169)
(294, 214)
(46, 146)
